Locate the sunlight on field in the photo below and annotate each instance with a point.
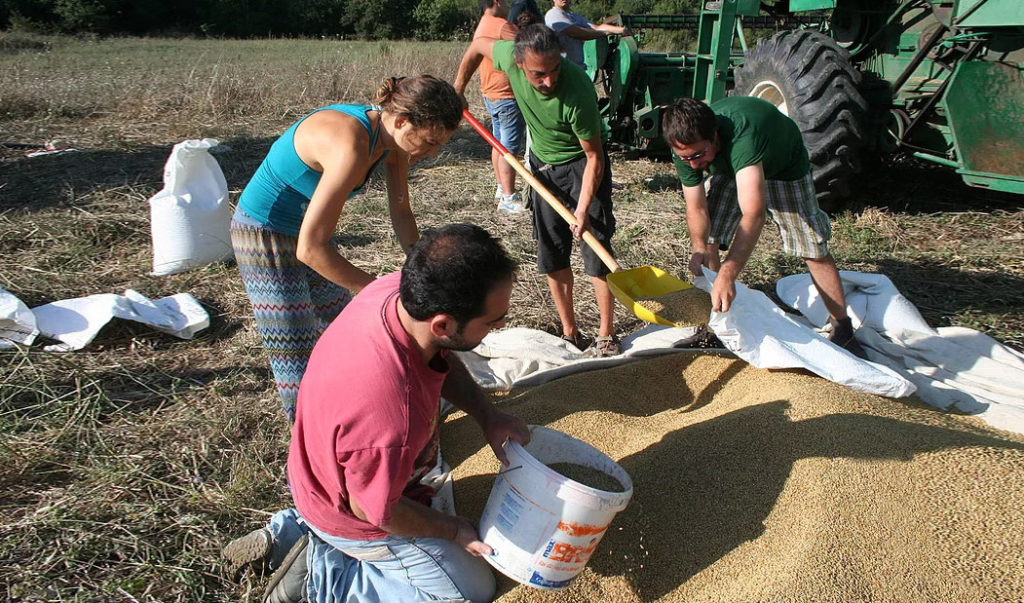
(194, 82)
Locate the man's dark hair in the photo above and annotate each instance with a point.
(484, 4)
(687, 121)
(451, 270)
(524, 12)
(525, 19)
(538, 39)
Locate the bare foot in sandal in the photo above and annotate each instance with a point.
(604, 346)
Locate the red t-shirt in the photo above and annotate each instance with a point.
(366, 423)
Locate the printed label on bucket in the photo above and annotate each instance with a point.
(511, 507)
(526, 531)
(544, 582)
(567, 552)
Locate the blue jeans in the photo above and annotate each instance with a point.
(507, 123)
(391, 569)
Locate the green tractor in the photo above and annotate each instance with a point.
(938, 79)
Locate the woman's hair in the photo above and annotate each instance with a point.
(426, 101)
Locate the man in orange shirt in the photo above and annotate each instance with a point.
(507, 123)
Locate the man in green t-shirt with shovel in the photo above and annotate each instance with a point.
(559, 104)
(758, 165)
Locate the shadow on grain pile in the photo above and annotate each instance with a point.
(766, 485)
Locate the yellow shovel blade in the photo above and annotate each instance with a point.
(645, 281)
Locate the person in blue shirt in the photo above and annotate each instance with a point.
(294, 275)
(574, 29)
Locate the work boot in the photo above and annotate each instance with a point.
(288, 584)
(248, 552)
(843, 336)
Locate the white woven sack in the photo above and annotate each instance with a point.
(190, 216)
(17, 322)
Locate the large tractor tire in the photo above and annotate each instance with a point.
(809, 77)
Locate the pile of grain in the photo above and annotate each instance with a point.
(687, 307)
(755, 485)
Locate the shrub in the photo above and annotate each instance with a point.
(446, 19)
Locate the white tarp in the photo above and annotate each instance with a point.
(758, 331)
(755, 329)
(524, 357)
(952, 367)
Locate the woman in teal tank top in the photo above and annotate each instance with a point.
(294, 276)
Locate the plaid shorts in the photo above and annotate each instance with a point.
(805, 229)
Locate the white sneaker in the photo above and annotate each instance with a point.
(511, 204)
(499, 193)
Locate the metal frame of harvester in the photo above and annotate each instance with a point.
(938, 79)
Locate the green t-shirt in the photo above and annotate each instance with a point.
(752, 131)
(558, 121)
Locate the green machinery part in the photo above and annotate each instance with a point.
(945, 79)
(940, 79)
(636, 83)
(985, 107)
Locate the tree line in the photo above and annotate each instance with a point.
(367, 19)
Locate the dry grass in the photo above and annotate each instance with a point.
(124, 467)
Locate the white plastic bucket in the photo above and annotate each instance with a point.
(543, 526)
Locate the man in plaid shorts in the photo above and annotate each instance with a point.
(757, 161)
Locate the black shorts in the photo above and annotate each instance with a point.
(551, 231)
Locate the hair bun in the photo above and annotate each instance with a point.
(387, 89)
(424, 100)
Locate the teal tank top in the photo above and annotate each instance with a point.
(279, 192)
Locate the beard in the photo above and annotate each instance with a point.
(458, 343)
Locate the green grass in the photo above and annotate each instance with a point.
(125, 467)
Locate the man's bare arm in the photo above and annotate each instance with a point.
(478, 50)
(750, 190)
(414, 520)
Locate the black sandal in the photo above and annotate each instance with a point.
(578, 341)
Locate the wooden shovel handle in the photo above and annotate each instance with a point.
(555, 204)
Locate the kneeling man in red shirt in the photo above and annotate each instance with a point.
(366, 432)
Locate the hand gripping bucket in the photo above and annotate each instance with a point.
(543, 526)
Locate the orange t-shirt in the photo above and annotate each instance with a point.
(493, 83)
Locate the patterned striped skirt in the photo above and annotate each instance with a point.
(292, 303)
